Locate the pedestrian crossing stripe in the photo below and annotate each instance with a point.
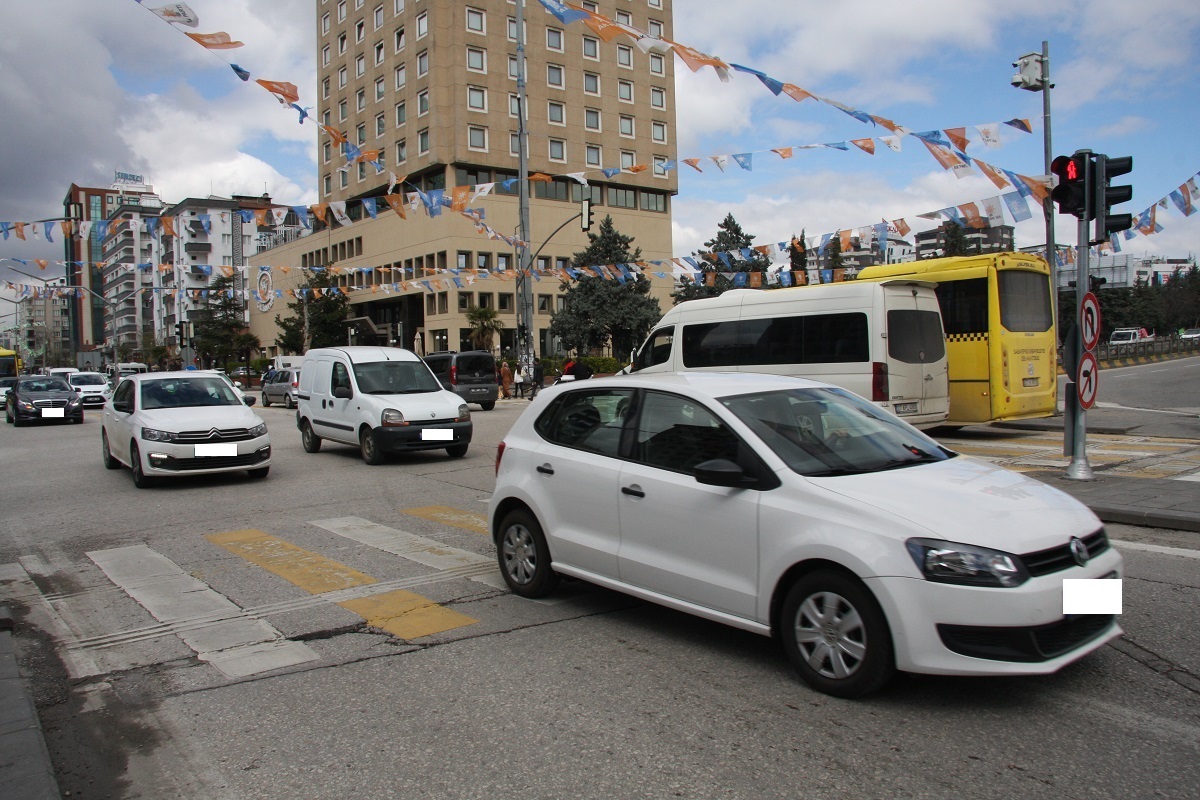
(455, 517)
(406, 615)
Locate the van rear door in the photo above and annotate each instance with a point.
(918, 373)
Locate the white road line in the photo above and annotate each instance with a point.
(411, 546)
(235, 645)
(1155, 548)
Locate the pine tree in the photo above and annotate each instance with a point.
(730, 240)
(326, 315)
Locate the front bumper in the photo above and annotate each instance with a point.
(169, 458)
(36, 415)
(401, 438)
(942, 629)
(93, 400)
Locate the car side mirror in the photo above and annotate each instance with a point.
(248, 400)
(722, 472)
(124, 408)
(342, 392)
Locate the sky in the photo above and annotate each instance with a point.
(90, 87)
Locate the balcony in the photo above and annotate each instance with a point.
(194, 248)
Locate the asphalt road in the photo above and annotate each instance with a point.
(587, 694)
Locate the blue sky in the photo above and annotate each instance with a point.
(124, 91)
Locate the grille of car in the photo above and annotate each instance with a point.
(214, 435)
(216, 462)
(1056, 559)
(50, 403)
(1032, 644)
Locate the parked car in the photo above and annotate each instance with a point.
(793, 508)
(93, 387)
(383, 399)
(471, 375)
(1130, 336)
(172, 424)
(1190, 335)
(282, 388)
(37, 398)
(243, 373)
(5, 385)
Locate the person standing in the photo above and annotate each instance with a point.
(519, 380)
(539, 378)
(505, 381)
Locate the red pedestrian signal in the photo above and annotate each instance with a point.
(1073, 192)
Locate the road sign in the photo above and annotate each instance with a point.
(1089, 321)
(1088, 380)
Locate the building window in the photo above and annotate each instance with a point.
(341, 8)
(360, 66)
(590, 5)
(378, 17)
(325, 23)
(380, 89)
(653, 201)
(503, 262)
(626, 126)
(443, 302)
(512, 29)
(556, 113)
(655, 3)
(622, 198)
(401, 114)
(591, 48)
(660, 166)
(422, 25)
(380, 125)
(554, 75)
(623, 18)
(476, 21)
(592, 155)
(360, 99)
(506, 303)
(625, 91)
(325, 56)
(361, 133)
(360, 31)
(341, 45)
(401, 76)
(554, 39)
(379, 53)
(401, 151)
(422, 63)
(423, 141)
(477, 98)
(654, 28)
(591, 119)
(625, 56)
(362, 170)
(628, 159)
(463, 262)
(484, 261)
(325, 151)
(328, 181)
(325, 89)
(658, 97)
(422, 102)
(514, 144)
(464, 298)
(558, 150)
(398, 7)
(477, 138)
(656, 64)
(514, 105)
(543, 303)
(399, 39)
(591, 83)
(342, 111)
(342, 78)
(658, 131)
(344, 180)
(512, 67)
(476, 59)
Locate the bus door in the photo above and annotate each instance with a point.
(964, 302)
(1024, 346)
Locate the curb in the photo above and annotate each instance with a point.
(1147, 519)
(25, 767)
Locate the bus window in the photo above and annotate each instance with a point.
(1024, 300)
(914, 336)
(964, 305)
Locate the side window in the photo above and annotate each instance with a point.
(657, 349)
(124, 392)
(676, 433)
(341, 377)
(587, 420)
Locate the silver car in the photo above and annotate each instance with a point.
(282, 388)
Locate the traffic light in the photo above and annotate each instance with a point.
(1106, 196)
(585, 214)
(179, 332)
(1073, 192)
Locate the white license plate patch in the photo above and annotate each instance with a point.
(1029, 383)
(437, 435)
(221, 449)
(906, 408)
(54, 412)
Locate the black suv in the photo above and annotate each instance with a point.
(470, 375)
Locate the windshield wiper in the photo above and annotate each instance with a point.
(399, 391)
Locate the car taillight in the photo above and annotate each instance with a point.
(295, 384)
(499, 455)
(879, 382)
(453, 375)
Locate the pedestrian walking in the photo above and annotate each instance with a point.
(519, 380)
(505, 381)
(539, 378)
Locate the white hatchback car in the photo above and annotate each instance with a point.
(792, 508)
(182, 423)
(92, 387)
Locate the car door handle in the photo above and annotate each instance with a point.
(545, 469)
(632, 491)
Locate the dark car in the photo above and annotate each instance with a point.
(34, 398)
(470, 374)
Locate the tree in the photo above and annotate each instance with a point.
(954, 243)
(833, 252)
(600, 311)
(323, 314)
(485, 326)
(724, 254)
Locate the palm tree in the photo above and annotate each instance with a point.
(485, 324)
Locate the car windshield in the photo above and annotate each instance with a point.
(85, 379)
(187, 392)
(828, 432)
(395, 377)
(48, 384)
(7, 382)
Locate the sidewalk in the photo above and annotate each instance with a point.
(25, 768)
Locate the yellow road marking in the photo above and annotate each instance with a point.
(406, 615)
(311, 572)
(467, 520)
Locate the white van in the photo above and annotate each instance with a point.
(287, 362)
(882, 340)
(383, 399)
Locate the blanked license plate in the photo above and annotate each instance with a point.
(1029, 383)
(219, 449)
(437, 435)
(906, 408)
(54, 412)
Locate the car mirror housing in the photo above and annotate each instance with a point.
(722, 472)
(248, 400)
(342, 392)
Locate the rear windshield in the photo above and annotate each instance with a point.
(88, 380)
(915, 337)
(469, 365)
(44, 384)
(1024, 300)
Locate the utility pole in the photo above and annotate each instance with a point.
(1034, 76)
(525, 261)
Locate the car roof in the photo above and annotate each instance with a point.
(363, 354)
(179, 373)
(77, 374)
(710, 385)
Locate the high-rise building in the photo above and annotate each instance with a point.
(428, 89)
(130, 255)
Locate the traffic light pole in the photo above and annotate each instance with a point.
(1079, 469)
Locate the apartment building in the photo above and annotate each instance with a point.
(991, 239)
(429, 89)
(129, 253)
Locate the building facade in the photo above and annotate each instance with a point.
(991, 239)
(129, 255)
(428, 89)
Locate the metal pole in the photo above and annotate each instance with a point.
(525, 267)
(1047, 206)
(1079, 468)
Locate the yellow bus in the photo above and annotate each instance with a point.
(1001, 341)
(10, 363)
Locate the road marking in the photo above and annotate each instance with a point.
(451, 516)
(313, 573)
(406, 615)
(235, 645)
(413, 547)
(1195, 477)
(1155, 548)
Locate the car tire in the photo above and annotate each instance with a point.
(368, 446)
(488, 406)
(258, 474)
(457, 450)
(106, 453)
(8, 415)
(836, 635)
(288, 401)
(524, 556)
(140, 479)
(266, 401)
(310, 440)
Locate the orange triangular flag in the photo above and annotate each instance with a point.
(868, 145)
(396, 201)
(213, 41)
(287, 92)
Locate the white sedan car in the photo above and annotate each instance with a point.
(796, 509)
(163, 424)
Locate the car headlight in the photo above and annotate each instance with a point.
(74, 401)
(392, 416)
(151, 435)
(25, 404)
(259, 430)
(965, 564)
(464, 413)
